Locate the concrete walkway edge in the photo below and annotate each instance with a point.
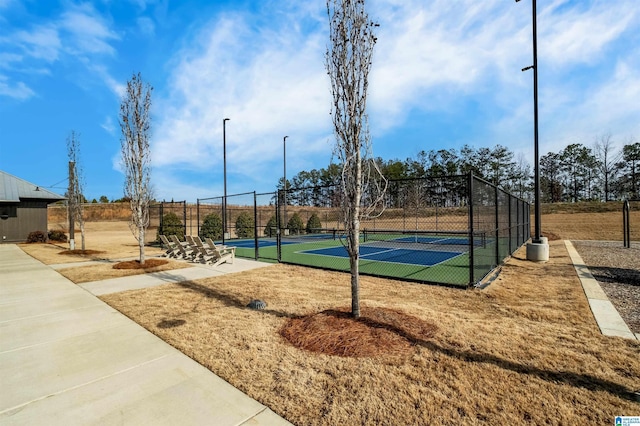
(607, 317)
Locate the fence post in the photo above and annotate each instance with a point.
(184, 216)
(471, 230)
(255, 222)
(509, 197)
(278, 229)
(497, 198)
(198, 216)
(626, 232)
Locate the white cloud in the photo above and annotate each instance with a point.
(575, 34)
(146, 25)
(269, 84)
(41, 42)
(89, 32)
(103, 73)
(108, 125)
(19, 90)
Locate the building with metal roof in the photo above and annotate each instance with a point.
(23, 208)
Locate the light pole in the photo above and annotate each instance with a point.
(284, 182)
(539, 248)
(224, 199)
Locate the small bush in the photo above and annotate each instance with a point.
(36, 237)
(171, 225)
(211, 227)
(295, 224)
(57, 235)
(313, 224)
(245, 225)
(271, 227)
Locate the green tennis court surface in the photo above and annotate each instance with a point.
(428, 256)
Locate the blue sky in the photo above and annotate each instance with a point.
(445, 73)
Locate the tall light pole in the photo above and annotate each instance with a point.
(224, 159)
(539, 249)
(284, 182)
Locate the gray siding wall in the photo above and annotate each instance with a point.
(31, 215)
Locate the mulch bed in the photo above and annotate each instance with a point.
(81, 252)
(135, 264)
(378, 331)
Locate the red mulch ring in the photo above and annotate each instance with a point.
(378, 331)
(81, 252)
(135, 264)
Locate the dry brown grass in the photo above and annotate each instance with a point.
(524, 350)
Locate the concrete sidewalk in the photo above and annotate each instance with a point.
(68, 358)
(607, 317)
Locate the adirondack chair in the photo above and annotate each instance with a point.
(221, 254)
(171, 248)
(185, 250)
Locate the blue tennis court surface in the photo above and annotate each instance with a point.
(413, 257)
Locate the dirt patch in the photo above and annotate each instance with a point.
(378, 331)
(135, 264)
(551, 236)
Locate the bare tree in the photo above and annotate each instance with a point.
(76, 189)
(348, 60)
(607, 163)
(135, 123)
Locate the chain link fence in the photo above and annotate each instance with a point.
(451, 230)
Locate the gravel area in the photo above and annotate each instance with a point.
(617, 269)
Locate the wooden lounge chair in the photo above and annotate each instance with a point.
(171, 248)
(185, 250)
(222, 249)
(191, 244)
(220, 254)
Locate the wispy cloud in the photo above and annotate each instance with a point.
(146, 25)
(88, 30)
(575, 33)
(270, 84)
(78, 33)
(18, 90)
(108, 125)
(41, 42)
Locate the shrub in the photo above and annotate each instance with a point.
(36, 237)
(211, 227)
(313, 224)
(245, 225)
(171, 225)
(270, 228)
(295, 224)
(57, 235)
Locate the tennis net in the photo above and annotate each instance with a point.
(425, 240)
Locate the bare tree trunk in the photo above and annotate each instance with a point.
(135, 123)
(348, 61)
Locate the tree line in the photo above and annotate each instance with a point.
(576, 173)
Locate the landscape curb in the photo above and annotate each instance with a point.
(607, 317)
